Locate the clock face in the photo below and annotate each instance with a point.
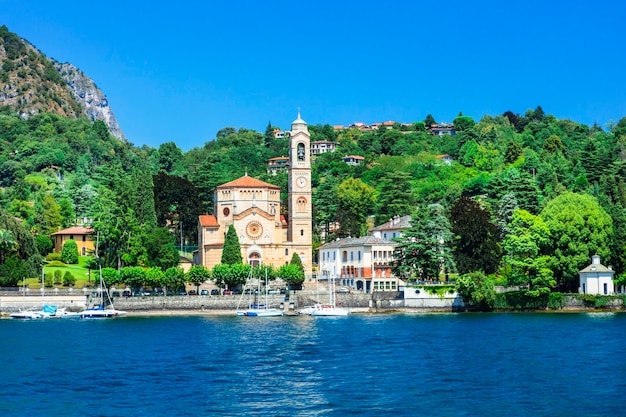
(301, 181)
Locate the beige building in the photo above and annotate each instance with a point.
(253, 207)
(83, 236)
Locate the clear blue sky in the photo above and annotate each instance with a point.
(181, 71)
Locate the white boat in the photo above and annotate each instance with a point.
(103, 309)
(256, 309)
(330, 309)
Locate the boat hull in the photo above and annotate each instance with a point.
(269, 312)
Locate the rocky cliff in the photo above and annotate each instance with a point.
(30, 83)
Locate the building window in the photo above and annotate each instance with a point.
(301, 232)
(301, 204)
(359, 256)
(345, 256)
(605, 289)
(375, 252)
(286, 251)
(351, 256)
(84, 238)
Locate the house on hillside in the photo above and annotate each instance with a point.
(392, 229)
(442, 129)
(322, 146)
(83, 236)
(276, 164)
(353, 159)
(596, 278)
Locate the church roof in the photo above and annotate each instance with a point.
(248, 182)
(596, 268)
(208, 220)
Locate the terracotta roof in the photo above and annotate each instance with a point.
(279, 158)
(248, 182)
(353, 157)
(208, 220)
(445, 155)
(77, 230)
(283, 220)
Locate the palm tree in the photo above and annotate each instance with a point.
(7, 243)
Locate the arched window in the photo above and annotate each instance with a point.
(301, 154)
(301, 232)
(254, 259)
(301, 204)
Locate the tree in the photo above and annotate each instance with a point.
(44, 244)
(7, 243)
(155, 277)
(177, 203)
(68, 279)
(292, 275)
(160, 249)
(462, 123)
(12, 271)
(174, 278)
(355, 200)
(196, 275)
(219, 274)
(424, 250)
(580, 228)
(477, 247)
(238, 275)
(295, 260)
(133, 276)
(395, 197)
(231, 253)
(169, 155)
(429, 121)
(69, 252)
(477, 291)
(524, 246)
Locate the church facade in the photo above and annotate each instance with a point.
(253, 207)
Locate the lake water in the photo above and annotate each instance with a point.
(365, 365)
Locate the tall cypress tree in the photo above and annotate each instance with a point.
(231, 253)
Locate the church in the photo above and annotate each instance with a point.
(253, 207)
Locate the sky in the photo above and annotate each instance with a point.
(181, 71)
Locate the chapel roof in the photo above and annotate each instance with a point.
(248, 182)
(208, 220)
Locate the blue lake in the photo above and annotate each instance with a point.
(367, 365)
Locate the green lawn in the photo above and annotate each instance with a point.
(79, 271)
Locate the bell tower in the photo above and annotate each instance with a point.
(300, 232)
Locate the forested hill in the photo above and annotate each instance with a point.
(526, 194)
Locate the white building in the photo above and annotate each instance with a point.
(392, 229)
(596, 278)
(363, 263)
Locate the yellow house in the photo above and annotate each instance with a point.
(83, 237)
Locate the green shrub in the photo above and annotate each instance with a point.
(70, 252)
(56, 264)
(68, 279)
(57, 276)
(48, 280)
(556, 301)
(54, 257)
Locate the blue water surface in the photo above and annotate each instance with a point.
(366, 365)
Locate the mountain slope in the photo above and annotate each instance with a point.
(30, 83)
